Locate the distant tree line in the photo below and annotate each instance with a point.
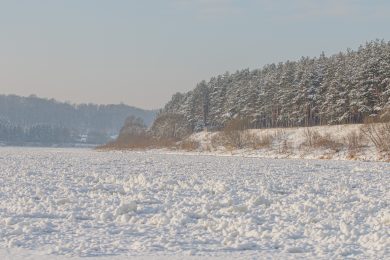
(47, 135)
(341, 89)
(28, 111)
(47, 121)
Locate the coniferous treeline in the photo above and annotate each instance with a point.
(343, 88)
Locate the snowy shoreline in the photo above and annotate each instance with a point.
(294, 139)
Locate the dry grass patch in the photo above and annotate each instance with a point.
(189, 145)
(256, 141)
(314, 139)
(240, 139)
(354, 141)
(138, 143)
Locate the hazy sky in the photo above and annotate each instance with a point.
(141, 52)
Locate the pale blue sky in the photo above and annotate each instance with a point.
(142, 52)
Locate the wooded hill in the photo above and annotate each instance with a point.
(343, 88)
(47, 121)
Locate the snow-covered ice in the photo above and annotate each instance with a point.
(58, 203)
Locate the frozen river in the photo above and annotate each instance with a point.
(80, 202)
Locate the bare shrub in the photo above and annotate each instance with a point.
(311, 137)
(378, 134)
(233, 139)
(377, 130)
(132, 135)
(354, 141)
(233, 135)
(285, 147)
(316, 140)
(170, 126)
(217, 140)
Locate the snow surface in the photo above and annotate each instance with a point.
(61, 203)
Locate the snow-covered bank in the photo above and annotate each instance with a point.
(75, 203)
(290, 143)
